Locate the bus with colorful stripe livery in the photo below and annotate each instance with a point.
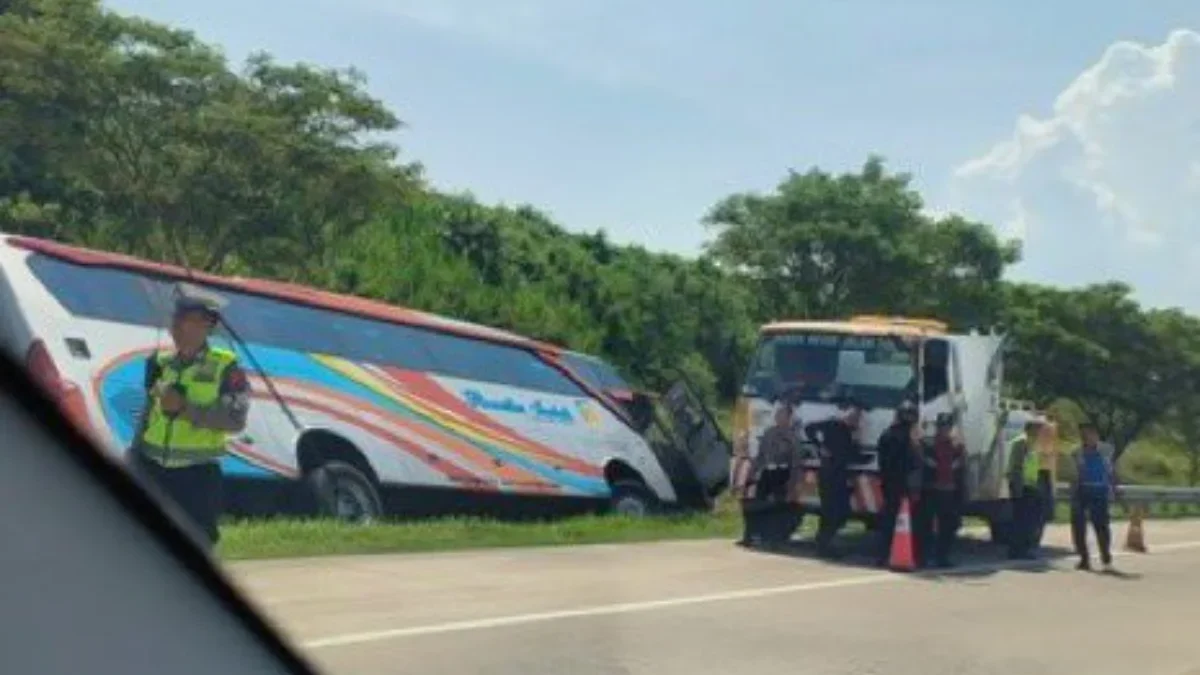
(360, 409)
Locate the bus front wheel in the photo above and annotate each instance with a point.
(632, 499)
(344, 492)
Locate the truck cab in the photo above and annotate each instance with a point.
(878, 362)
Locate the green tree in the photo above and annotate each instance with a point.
(827, 246)
(1125, 368)
(138, 137)
(127, 135)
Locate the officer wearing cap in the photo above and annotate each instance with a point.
(197, 396)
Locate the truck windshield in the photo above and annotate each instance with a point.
(877, 370)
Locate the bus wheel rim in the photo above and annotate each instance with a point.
(629, 505)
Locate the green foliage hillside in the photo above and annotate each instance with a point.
(123, 134)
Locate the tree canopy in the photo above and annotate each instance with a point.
(127, 135)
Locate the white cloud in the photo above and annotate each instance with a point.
(1108, 184)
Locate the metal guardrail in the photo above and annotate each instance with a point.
(1144, 494)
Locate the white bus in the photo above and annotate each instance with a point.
(360, 408)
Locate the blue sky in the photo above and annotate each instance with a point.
(635, 117)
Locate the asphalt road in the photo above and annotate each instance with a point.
(709, 607)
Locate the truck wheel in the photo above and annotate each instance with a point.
(1036, 539)
(633, 499)
(1001, 531)
(344, 492)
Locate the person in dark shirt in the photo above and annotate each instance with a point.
(897, 459)
(941, 501)
(836, 438)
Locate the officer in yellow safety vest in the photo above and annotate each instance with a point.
(1047, 449)
(196, 397)
(1024, 470)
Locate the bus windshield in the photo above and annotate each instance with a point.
(596, 372)
(878, 371)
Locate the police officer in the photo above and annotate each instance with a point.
(836, 437)
(1028, 510)
(897, 459)
(941, 510)
(770, 518)
(1047, 449)
(196, 397)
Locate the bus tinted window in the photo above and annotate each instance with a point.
(384, 343)
(98, 293)
(126, 297)
(478, 360)
(306, 329)
(279, 324)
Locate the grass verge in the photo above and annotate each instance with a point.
(258, 539)
(253, 539)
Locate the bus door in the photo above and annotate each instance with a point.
(702, 452)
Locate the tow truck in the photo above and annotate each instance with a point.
(880, 361)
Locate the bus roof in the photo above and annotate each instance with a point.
(862, 325)
(287, 292)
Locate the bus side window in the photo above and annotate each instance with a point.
(97, 292)
(471, 359)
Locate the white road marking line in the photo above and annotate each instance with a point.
(650, 605)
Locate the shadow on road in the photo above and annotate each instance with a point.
(1121, 576)
(974, 558)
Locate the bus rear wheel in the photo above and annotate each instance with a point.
(345, 493)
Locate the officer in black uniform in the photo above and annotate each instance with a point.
(898, 453)
(836, 438)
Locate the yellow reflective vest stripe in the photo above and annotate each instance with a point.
(179, 440)
(1032, 464)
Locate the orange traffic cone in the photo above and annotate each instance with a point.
(1135, 539)
(903, 557)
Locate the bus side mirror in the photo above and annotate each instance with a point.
(641, 410)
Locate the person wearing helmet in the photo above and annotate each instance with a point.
(898, 454)
(196, 397)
